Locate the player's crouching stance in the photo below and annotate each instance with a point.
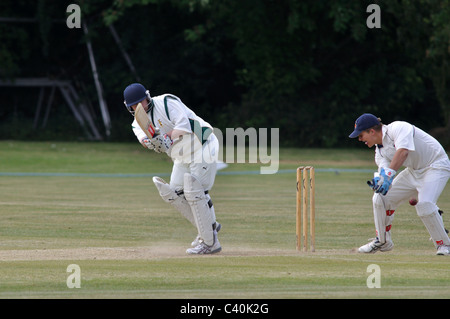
(194, 149)
(426, 174)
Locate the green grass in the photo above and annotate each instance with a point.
(130, 244)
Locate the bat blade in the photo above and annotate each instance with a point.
(144, 121)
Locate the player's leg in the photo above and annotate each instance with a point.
(204, 166)
(196, 197)
(384, 207)
(431, 186)
(216, 225)
(205, 169)
(173, 193)
(197, 186)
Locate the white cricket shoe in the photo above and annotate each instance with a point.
(197, 239)
(374, 245)
(203, 249)
(443, 250)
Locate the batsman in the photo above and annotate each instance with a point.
(191, 144)
(427, 170)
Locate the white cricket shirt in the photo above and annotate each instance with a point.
(424, 150)
(170, 113)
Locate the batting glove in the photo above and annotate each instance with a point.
(147, 143)
(386, 178)
(161, 143)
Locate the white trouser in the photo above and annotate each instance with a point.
(427, 186)
(203, 166)
(194, 175)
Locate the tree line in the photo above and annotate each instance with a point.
(307, 67)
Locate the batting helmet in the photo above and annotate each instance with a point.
(133, 94)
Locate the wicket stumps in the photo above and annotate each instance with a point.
(303, 183)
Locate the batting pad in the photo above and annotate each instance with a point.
(171, 197)
(195, 196)
(382, 219)
(428, 213)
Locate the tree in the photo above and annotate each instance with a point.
(308, 67)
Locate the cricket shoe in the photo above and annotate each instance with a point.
(196, 242)
(443, 250)
(374, 245)
(204, 249)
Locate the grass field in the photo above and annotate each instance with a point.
(94, 205)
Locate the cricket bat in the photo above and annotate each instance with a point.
(144, 122)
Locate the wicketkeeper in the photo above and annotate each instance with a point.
(426, 174)
(194, 149)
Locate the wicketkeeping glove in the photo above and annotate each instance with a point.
(385, 181)
(374, 181)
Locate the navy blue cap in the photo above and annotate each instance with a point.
(364, 122)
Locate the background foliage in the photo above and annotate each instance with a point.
(307, 67)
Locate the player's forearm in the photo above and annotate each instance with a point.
(399, 158)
